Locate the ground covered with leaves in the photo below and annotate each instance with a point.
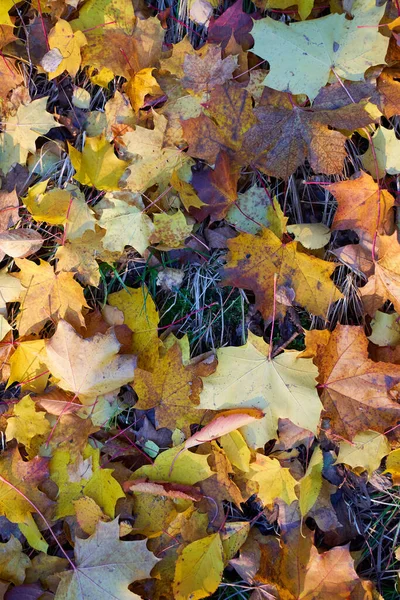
(199, 300)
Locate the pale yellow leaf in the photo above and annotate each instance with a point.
(364, 452)
(284, 387)
(87, 367)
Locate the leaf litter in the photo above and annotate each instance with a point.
(199, 300)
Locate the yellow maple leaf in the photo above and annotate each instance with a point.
(88, 514)
(364, 452)
(80, 256)
(68, 44)
(27, 366)
(172, 230)
(21, 131)
(254, 260)
(284, 387)
(97, 165)
(141, 316)
(25, 476)
(5, 7)
(153, 163)
(106, 371)
(140, 85)
(60, 207)
(27, 423)
(273, 480)
(47, 295)
(13, 562)
(81, 476)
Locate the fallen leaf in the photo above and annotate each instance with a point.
(154, 163)
(253, 260)
(5, 327)
(95, 575)
(388, 87)
(7, 5)
(65, 207)
(68, 44)
(229, 116)
(141, 42)
(97, 165)
(26, 424)
(46, 295)
(354, 388)
(272, 480)
(81, 256)
(385, 329)
(310, 485)
(114, 13)
(216, 188)
(186, 191)
(13, 562)
(385, 156)
(9, 214)
(393, 466)
(249, 212)
(284, 387)
(25, 476)
(297, 570)
(66, 358)
(362, 206)
(223, 424)
(304, 6)
(282, 46)
(205, 69)
(10, 290)
(141, 316)
(199, 568)
(81, 475)
(19, 243)
(300, 133)
(125, 225)
(88, 514)
(140, 85)
(171, 230)
(176, 466)
(22, 130)
(385, 283)
(236, 450)
(311, 235)
(365, 452)
(232, 22)
(173, 390)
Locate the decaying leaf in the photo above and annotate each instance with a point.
(173, 390)
(355, 389)
(253, 261)
(362, 206)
